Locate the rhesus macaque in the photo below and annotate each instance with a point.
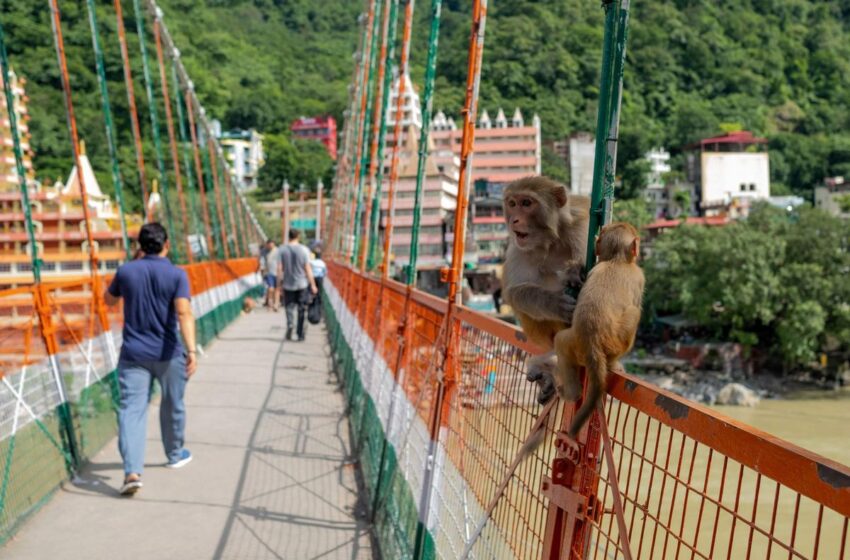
(605, 320)
(547, 244)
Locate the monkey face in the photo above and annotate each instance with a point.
(522, 216)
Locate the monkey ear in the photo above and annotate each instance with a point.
(635, 248)
(560, 194)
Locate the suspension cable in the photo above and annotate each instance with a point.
(184, 141)
(172, 141)
(160, 163)
(199, 170)
(361, 129)
(131, 103)
(404, 70)
(110, 129)
(427, 110)
(218, 203)
(377, 167)
(377, 123)
(72, 129)
(35, 257)
(363, 161)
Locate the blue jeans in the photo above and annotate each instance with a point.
(135, 380)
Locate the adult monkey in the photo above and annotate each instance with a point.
(547, 244)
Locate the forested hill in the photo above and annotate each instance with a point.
(780, 68)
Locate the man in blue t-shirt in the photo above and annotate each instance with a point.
(156, 298)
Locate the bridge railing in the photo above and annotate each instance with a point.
(661, 477)
(58, 385)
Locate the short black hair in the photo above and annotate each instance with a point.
(294, 234)
(152, 238)
(318, 254)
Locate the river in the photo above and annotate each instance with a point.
(815, 420)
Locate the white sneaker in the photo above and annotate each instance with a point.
(185, 457)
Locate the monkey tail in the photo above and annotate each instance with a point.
(597, 366)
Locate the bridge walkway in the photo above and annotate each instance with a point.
(271, 475)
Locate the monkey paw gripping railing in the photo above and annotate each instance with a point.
(656, 477)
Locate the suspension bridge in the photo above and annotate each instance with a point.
(395, 430)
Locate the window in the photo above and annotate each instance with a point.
(752, 187)
(743, 187)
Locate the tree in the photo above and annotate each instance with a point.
(635, 211)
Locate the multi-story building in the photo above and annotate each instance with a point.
(581, 152)
(656, 192)
(57, 212)
(59, 229)
(244, 150)
(727, 171)
(488, 222)
(505, 150)
(439, 200)
(322, 129)
(834, 196)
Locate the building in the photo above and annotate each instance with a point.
(656, 192)
(244, 150)
(57, 212)
(9, 179)
(60, 229)
(581, 152)
(322, 129)
(505, 150)
(439, 200)
(834, 197)
(303, 214)
(488, 222)
(727, 171)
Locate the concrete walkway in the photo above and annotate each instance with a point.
(271, 476)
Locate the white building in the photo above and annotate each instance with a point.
(581, 153)
(733, 169)
(244, 150)
(656, 193)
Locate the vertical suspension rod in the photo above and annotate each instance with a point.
(160, 160)
(199, 171)
(362, 128)
(378, 122)
(72, 129)
(35, 257)
(184, 141)
(218, 202)
(399, 113)
(172, 140)
(447, 385)
(427, 111)
(228, 191)
(110, 129)
(131, 103)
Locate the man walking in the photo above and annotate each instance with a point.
(270, 264)
(296, 277)
(156, 298)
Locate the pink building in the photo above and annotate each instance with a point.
(505, 150)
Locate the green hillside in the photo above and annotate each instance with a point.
(780, 68)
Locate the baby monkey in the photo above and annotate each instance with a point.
(605, 321)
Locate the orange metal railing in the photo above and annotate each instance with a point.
(660, 478)
(58, 389)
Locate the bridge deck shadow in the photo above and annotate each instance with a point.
(272, 475)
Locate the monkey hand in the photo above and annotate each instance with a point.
(561, 309)
(541, 372)
(574, 278)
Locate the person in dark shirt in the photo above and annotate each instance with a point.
(156, 298)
